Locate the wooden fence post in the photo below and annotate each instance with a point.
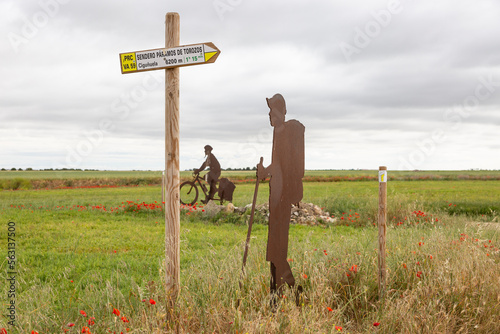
(382, 218)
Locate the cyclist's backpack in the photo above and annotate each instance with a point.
(226, 189)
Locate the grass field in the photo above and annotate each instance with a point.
(83, 253)
(71, 174)
(14, 180)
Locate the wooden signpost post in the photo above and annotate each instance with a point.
(382, 218)
(170, 58)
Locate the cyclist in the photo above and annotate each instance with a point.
(213, 175)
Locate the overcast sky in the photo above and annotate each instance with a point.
(406, 84)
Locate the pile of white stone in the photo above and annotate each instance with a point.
(304, 213)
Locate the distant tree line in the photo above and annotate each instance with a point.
(240, 169)
(50, 169)
(236, 169)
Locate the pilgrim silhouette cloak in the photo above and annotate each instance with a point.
(285, 189)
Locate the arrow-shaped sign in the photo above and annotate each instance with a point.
(186, 55)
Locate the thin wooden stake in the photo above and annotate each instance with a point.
(172, 177)
(382, 218)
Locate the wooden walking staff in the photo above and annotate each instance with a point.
(382, 218)
(250, 223)
(249, 233)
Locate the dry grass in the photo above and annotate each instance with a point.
(458, 290)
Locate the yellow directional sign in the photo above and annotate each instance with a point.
(186, 55)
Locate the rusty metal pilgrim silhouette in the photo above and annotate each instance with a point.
(285, 188)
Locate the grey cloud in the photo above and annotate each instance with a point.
(428, 59)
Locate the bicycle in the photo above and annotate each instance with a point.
(189, 190)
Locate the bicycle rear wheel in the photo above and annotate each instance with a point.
(188, 193)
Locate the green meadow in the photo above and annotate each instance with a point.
(83, 255)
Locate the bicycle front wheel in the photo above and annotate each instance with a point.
(188, 193)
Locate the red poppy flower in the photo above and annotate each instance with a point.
(71, 324)
(376, 324)
(152, 302)
(115, 311)
(3, 331)
(86, 330)
(419, 274)
(34, 332)
(329, 309)
(83, 313)
(125, 319)
(91, 321)
(338, 328)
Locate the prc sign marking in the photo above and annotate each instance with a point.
(194, 54)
